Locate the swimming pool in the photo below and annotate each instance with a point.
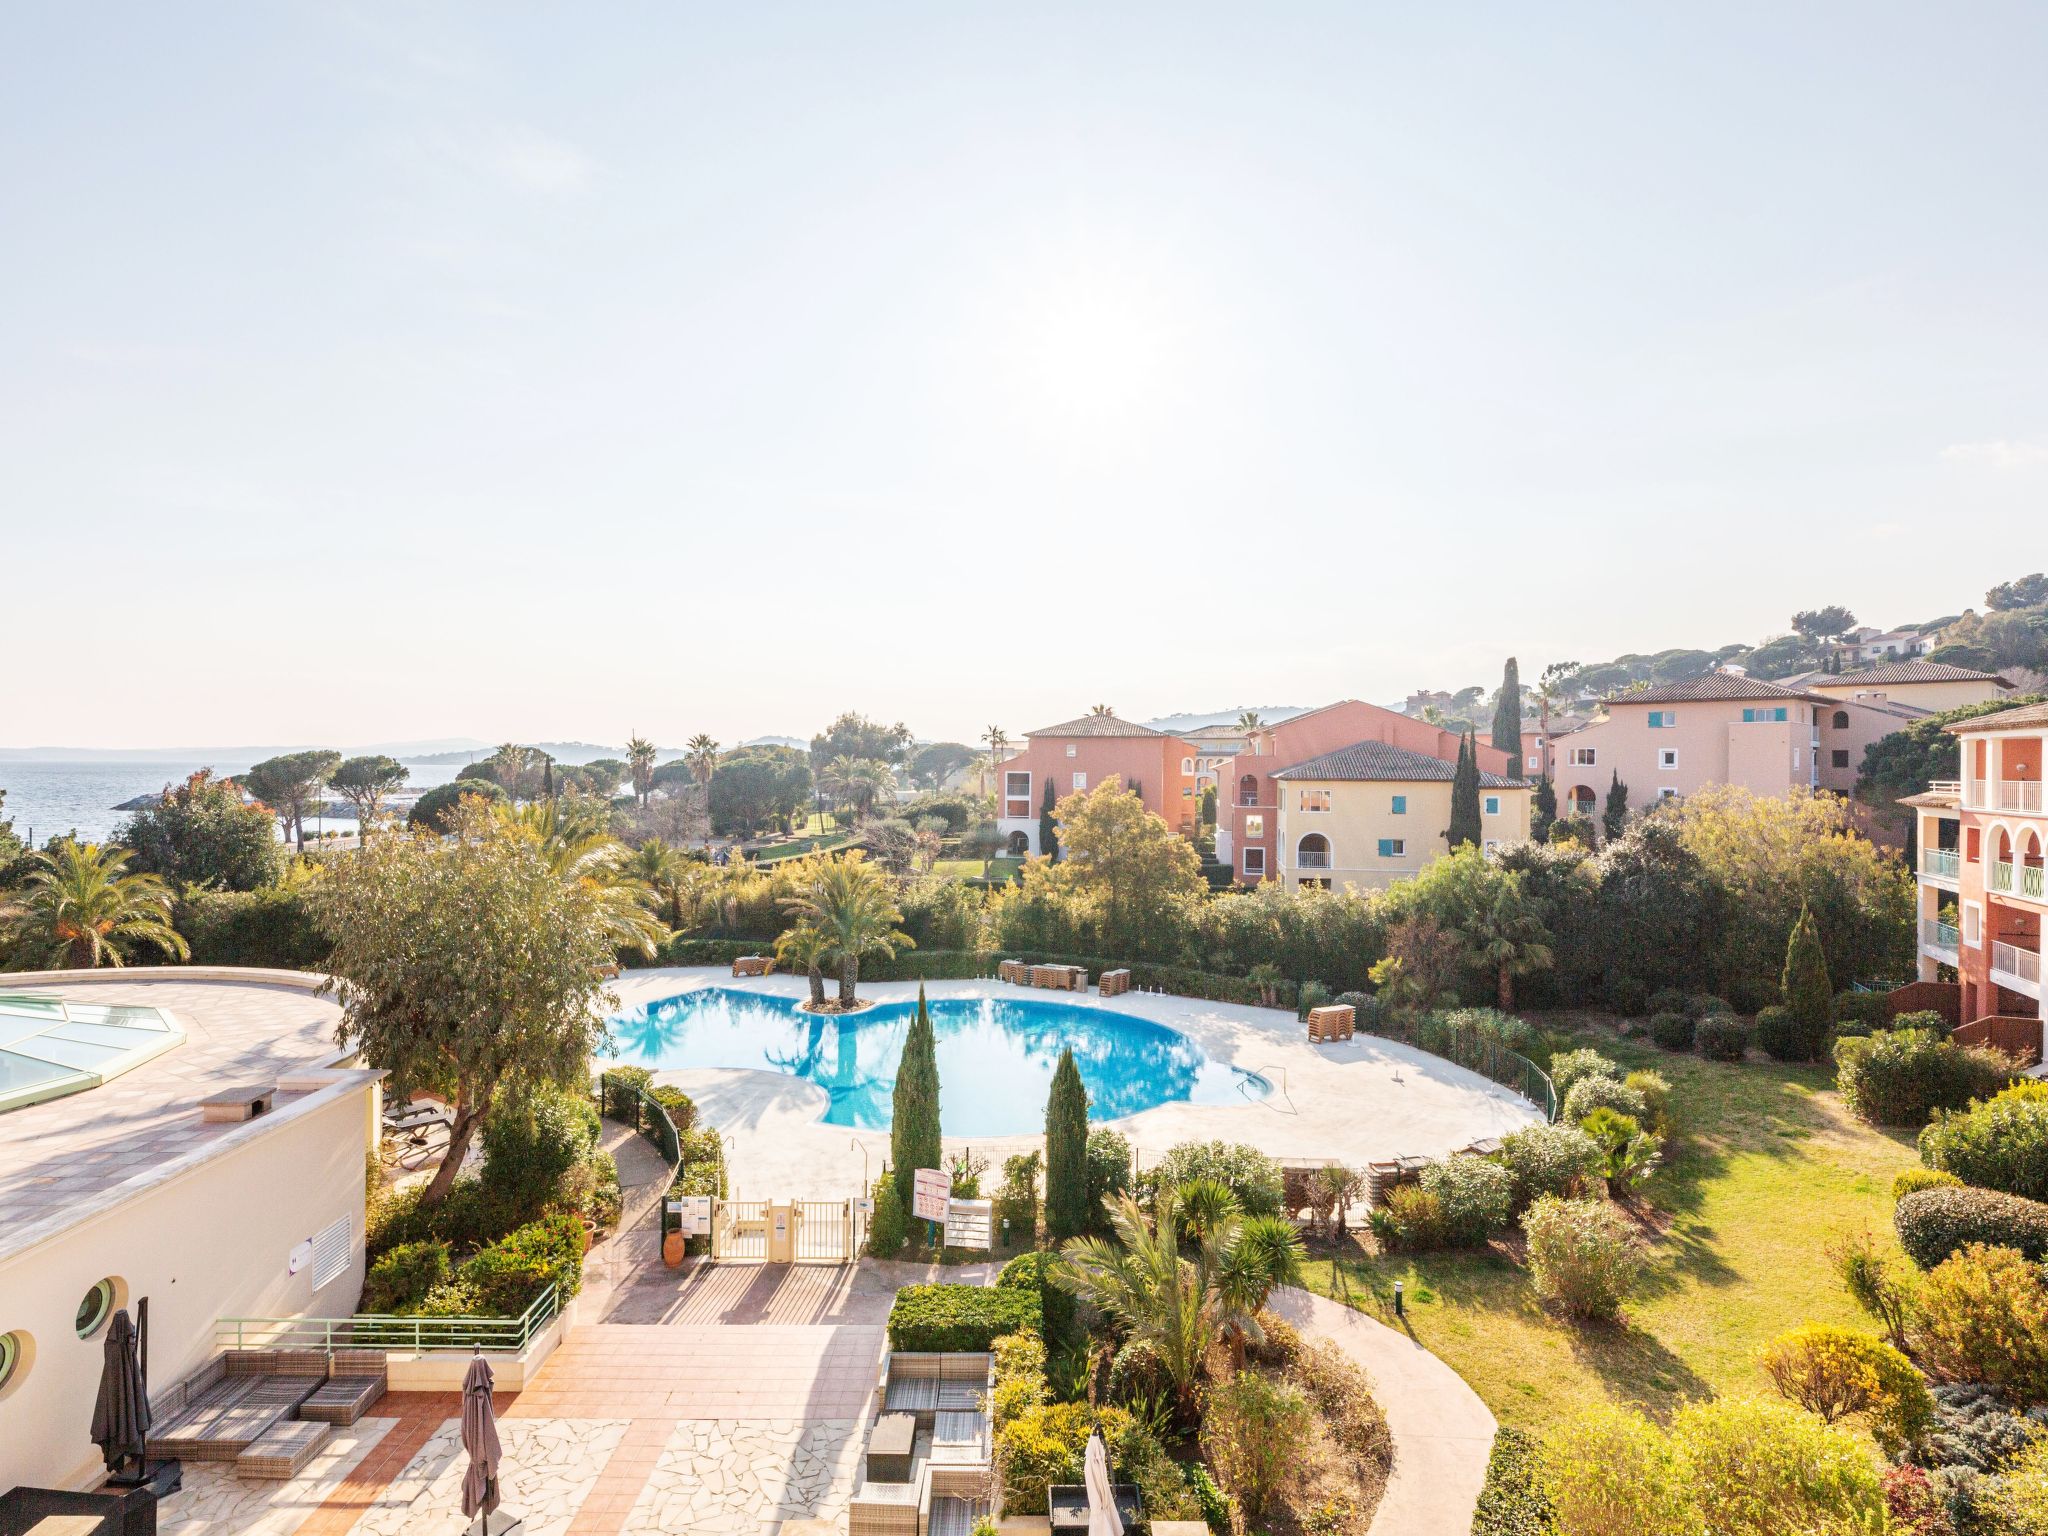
(996, 1056)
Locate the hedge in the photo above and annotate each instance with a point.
(951, 1319)
(1032, 1272)
(1934, 1223)
(273, 927)
(1902, 1076)
(1514, 1501)
(2000, 1144)
(1721, 1037)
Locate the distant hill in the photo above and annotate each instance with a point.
(574, 753)
(455, 749)
(1272, 714)
(797, 742)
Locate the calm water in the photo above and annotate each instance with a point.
(61, 797)
(996, 1057)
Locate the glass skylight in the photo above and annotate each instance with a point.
(50, 1047)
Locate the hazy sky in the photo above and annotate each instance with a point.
(549, 372)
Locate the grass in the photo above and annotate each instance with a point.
(796, 848)
(1769, 1168)
(970, 869)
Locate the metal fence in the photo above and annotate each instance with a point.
(373, 1330)
(739, 1229)
(1490, 1059)
(824, 1231)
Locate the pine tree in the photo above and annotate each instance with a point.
(1809, 994)
(1542, 810)
(1614, 816)
(1066, 1153)
(1048, 833)
(1507, 714)
(914, 1117)
(1465, 824)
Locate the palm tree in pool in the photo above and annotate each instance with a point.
(79, 909)
(852, 904)
(640, 755)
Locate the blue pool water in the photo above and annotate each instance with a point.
(996, 1056)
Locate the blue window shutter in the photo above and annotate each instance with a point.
(1778, 715)
(1493, 805)
(1748, 716)
(1386, 847)
(1400, 809)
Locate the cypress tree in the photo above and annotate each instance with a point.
(1614, 817)
(1507, 714)
(1542, 810)
(1066, 1153)
(1048, 834)
(1809, 994)
(914, 1117)
(1465, 825)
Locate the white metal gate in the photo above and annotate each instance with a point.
(819, 1231)
(824, 1232)
(739, 1230)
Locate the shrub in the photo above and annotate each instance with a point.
(1515, 1500)
(1836, 1372)
(1782, 1037)
(508, 1276)
(1412, 1221)
(1591, 1093)
(1879, 1282)
(1721, 1037)
(888, 1223)
(1912, 1180)
(1251, 1175)
(1761, 1469)
(1975, 1428)
(679, 1106)
(275, 926)
(1873, 1010)
(1583, 1256)
(468, 1217)
(956, 1318)
(1109, 1171)
(1569, 1067)
(1910, 1497)
(1253, 1428)
(1503, 1029)
(1016, 1199)
(1984, 1317)
(1656, 1093)
(1609, 1470)
(2021, 1497)
(1551, 1160)
(1668, 1000)
(1673, 1031)
(1209, 1498)
(1311, 994)
(1902, 1077)
(1045, 1444)
(401, 1276)
(1628, 996)
(1934, 1223)
(1932, 1020)
(2000, 1143)
(1033, 1272)
(1473, 1195)
(1809, 995)
(531, 1142)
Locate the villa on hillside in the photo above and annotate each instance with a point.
(1983, 842)
(1252, 824)
(1079, 754)
(1922, 687)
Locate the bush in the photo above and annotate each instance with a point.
(1784, 1038)
(1984, 1317)
(1721, 1037)
(1669, 1000)
(1044, 1445)
(2000, 1143)
(275, 926)
(1761, 1469)
(957, 1318)
(531, 1143)
(1591, 1093)
(1411, 1221)
(888, 1223)
(402, 1275)
(1109, 1170)
(1976, 1428)
(1503, 1029)
(1873, 1010)
(1310, 994)
(1251, 1175)
(466, 1219)
(1515, 1500)
(1215, 1509)
(1568, 1068)
(1559, 1160)
(1913, 1180)
(1628, 996)
(1836, 1372)
(1934, 1223)
(1673, 1031)
(1902, 1077)
(1656, 1095)
(1610, 1470)
(508, 1276)
(680, 1107)
(1932, 1020)
(1473, 1196)
(1253, 1428)
(1033, 1272)
(1016, 1198)
(1583, 1256)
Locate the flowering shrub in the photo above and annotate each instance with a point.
(1551, 1160)
(1983, 1316)
(1836, 1372)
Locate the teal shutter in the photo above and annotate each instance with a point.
(1386, 847)
(1400, 809)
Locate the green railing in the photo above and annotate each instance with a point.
(374, 1330)
(632, 1105)
(1486, 1056)
(1943, 863)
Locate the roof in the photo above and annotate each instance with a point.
(1910, 672)
(1710, 687)
(1096, 725)
(1934, 799)
(1381, 760)
(2005, 719)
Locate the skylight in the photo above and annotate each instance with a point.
(50, 1047)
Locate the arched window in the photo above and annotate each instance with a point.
(1581, 800)
(1248, 790)
(1312, 852)
(1020, 844)
(1187, 765)
(1841, 719)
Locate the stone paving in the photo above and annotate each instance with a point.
(736, 1477)
(549, 1469)
(215, 1502)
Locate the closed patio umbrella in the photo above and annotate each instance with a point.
(120, 1414)
(1103, 1520)
(480, 1440)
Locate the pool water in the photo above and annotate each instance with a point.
(996, 1056)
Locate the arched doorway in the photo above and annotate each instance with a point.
(1020, 844)
(1248, 790)
(1312, 852)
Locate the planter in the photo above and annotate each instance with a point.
(672, 1247)
(1066, 1506)
(589, 1233)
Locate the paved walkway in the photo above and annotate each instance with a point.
(1442, 1431)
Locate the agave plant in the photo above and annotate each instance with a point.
(79, 909)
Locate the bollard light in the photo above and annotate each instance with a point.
(1400, 1307)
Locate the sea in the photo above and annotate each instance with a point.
(45, 799)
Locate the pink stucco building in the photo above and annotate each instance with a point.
(1078, 755)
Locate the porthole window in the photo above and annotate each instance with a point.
(95, 1308)
(14, 1358)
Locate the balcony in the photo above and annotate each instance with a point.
(1311, 861)
(1940, 863)
(1937, 935)
(2023, 795)
(2026, 880)
(2017, 968)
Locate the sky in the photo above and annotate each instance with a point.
(509, 371)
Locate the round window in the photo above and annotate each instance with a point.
(13, 1355)
(94, 1310)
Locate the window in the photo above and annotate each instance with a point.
(96, 1307)
(1841, 719)
(1667, 793)
(1490, 848)
(1839, 757)
(1017, 786)
(1187, 792)
(1248, 790)
(1533, 762)
(1393, 847)
(1667, 757)
(1255, 826)
(1585, 757)
(1313, 852)
(1973, 924)
(330, 1251)
(1400, 805)
(1315, 799)
(1756, 716)
(1080, 781)
(1663, 719)
(1072, 750)
(1493, 805)
(1187, 765)
(1796, 753)
(1255, 861)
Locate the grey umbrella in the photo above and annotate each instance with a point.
(120, 1414)
(480, 1439)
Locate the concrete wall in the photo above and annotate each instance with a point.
(1932, 697)
(211, 1240)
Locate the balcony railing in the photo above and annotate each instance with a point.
(1942, 863)
(1936, 935)
(1311, 861)
(2002, 795)
(2023, 879)
(2011, 963)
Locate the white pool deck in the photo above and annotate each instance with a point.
(1359, 1102)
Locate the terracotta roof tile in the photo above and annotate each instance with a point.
(1381, 760)
(1096, 725)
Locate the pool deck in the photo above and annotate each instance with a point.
(1359, 1102)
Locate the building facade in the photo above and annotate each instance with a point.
(1926, 687)
(1078, 755)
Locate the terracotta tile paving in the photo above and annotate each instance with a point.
(419, 1415)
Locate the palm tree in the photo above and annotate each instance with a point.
(640, 754)
(1250, 722)
(864, 782)
(581, 855)
(808, 947)
(1100, 709)
(78, 909)
(1263, 1252)
(1507, 937)
(664, 870)
(998, 741)
(703, 757)
(853, 906)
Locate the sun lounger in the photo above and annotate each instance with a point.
(282, 1450)
(356, 1379)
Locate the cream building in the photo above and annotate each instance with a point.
(1926, 686)
(120, 1188)
(1372, 813)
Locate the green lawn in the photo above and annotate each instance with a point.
(797, 847)
(1769, 1168)
(970, 869)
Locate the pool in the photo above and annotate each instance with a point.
(996, 1056)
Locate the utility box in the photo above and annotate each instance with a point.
(781, 1234)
